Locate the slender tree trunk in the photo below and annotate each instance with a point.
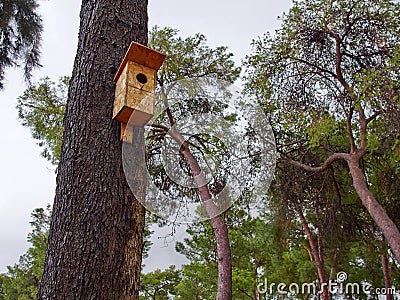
(334, 264)
(378, 214)
(217, 222)
(319, 237)
(386, 276)
(219, 227)
(315, 252)
(96, 235)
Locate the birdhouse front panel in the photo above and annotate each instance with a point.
(141, 77)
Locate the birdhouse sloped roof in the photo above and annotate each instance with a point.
(141, 55)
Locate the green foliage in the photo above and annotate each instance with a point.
(21, 282)
(273, 246)
(199, 281)
(20, 36)
(159, 285)
(146, 236)
(252, 254)
(190, 57)
(329, 59)
(190, 69)
(41, 109)
(330, 64)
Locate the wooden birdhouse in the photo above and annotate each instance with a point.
(136, 85)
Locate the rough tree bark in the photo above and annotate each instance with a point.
(95, 241)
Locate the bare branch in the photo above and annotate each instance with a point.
(166, 106)
(156, 135)
(314, 66)
(373, 116)
(339, 67)
(325, 166)
(156, 125)
(291, 143)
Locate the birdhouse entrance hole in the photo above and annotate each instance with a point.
(141, 78)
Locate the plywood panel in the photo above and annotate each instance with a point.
(134, 70)
(133, 100)
(142, 55)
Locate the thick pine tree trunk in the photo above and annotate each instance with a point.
(95, 241)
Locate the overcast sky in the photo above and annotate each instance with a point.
(27, 180)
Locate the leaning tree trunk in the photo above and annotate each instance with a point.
(95, 241)
(218, 224)
(316, 252)
(386, 276)
(377, 212)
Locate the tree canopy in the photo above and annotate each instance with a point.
(22, 279)
(41, 109)
(329, 80)
(20, 36)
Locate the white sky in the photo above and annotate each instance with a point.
(27, 180)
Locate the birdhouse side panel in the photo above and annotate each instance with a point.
(121, 89)
(121, 85)
(119, 102)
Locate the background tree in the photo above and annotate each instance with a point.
(160, 285)
(22, 280)
(41, 109)
(20, 36)
(329, 80)
(322, 207)
(189, 59)
(251, 256)
(96, 234)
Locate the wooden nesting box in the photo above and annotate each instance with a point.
(135, 86)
